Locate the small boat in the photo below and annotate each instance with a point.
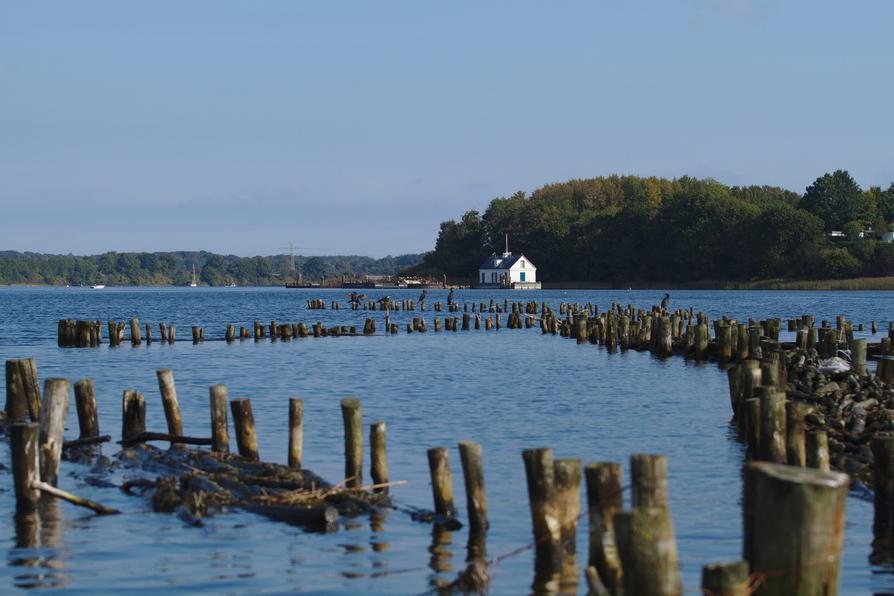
(232, 284)
(193, 283)
(97, 286)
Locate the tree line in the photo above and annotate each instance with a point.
(626, 229)
(176, 268)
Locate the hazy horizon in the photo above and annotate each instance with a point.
(356, 128)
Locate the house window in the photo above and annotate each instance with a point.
(493, 277)
(523, 266)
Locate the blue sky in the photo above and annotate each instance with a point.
(357, 127)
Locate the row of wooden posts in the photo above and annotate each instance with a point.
(631, 551)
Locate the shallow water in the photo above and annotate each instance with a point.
(508, 389)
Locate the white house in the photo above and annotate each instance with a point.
(888, 237)
(508, 271)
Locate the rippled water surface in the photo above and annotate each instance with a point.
(507, 389)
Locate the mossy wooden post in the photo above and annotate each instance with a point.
(53, 413)
(724, 343)
(648, 475)
(220, 433)
(378, 469)
(133, 414)
(296, 432)
(540, 473)
(472, 459)
(726, 579)
(773, 426)
(27, 388)
(742, 343)
(818, 450)
(885, 369)
(113, 334)
(795, 441)
(16, 403)
(883, 483)
(85, 402)
(353, 424)
(169, 401)
(135, 337)
(794, 528)
(568, 477)
(751, 409)
(648, 551)
(244, 424)
(701, 342)
(604, 499)
(441, 481)
(858, 350)
(25, 461)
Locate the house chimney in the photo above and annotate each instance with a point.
(507, 253)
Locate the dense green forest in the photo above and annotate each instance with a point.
(175, 268)
(625, 229)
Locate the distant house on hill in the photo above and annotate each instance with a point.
(508, 271)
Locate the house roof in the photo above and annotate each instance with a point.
(501, 262)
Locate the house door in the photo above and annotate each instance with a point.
(522, 276)
(482, 277)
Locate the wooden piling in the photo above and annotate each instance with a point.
(794, 527)
(568, 477)
(648, 475)
(85, 402)
(220, 433)
(296, 432)
(22, 390)
(441, 481)
(818, 450)
(883, 483)
(378, 455)
(773, 426)
(53, 414)
(244, 424)
(473, 476)
(648, 552)
(858, 350)
(726, 579)
(604, 499)
(133, 414)
(135, 337)
(169, 401)
(540, 473)
(795, 442)
(23, 441)
(353, 425)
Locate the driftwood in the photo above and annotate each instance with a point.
(86, 441)
(73, 499)
(150, 436)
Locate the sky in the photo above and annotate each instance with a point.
(357, 127)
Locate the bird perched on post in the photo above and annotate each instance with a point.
(422, 296)
(665, 300)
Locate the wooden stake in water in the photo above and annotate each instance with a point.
(85, 401)
(53, 414)
(794, 527)
(648, 474)
(604, 499)
(23, 446)
(441, 481)
(648, 551)
(727, 579)
(353, 423)
(296, 432)
(169, 401)
(133, 414)
(540, 472)
(244, 423)
(378, 455)
(818, 450)
(220, 433)
(472, 460)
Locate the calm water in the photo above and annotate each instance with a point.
(508, 390)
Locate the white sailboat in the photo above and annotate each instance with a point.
(193, 283)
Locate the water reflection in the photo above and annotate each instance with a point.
(441, 555)
(38, 542)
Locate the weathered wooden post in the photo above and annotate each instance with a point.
(169, 401)
(441, 481)
(244, 424)
(540, 472)
(818, 450)
(795, 442)
(883, 483)
(353, 423)
(296, 432)
(220, 433)
(25, 461)
(133, 414)
(85, 402)
(773, 426)
(648, 474)
(135, 337)
(172, 331)
(231, 333)
(794, 527)
(378, 456)
(53, 413)
(858, 350)
(604, 500)
(726, 579)
(648, 551)
(568, 477)
(22, 390)
(163, 332)
(473, 476)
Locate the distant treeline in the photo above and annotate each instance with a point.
(623, 229)
(175, 268)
